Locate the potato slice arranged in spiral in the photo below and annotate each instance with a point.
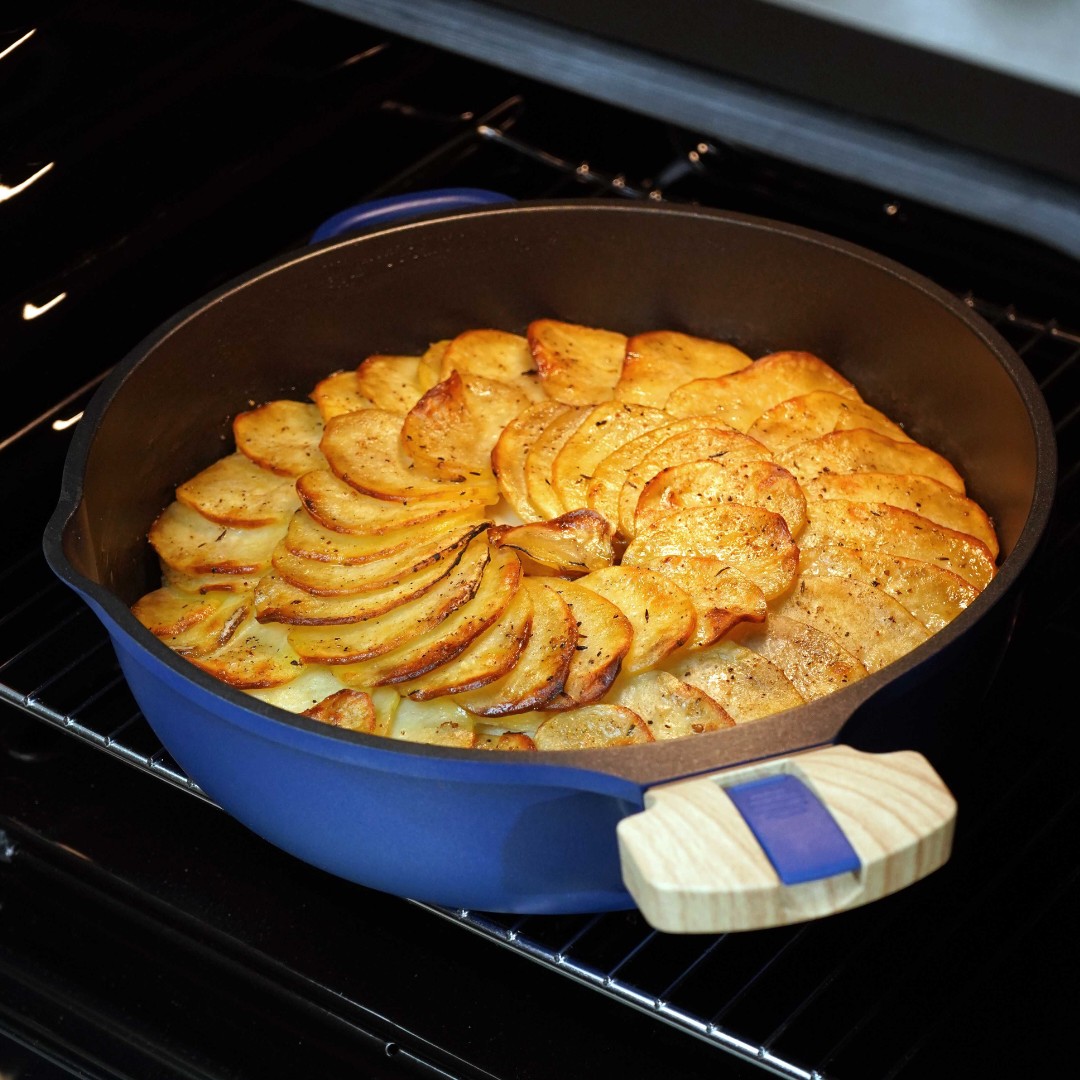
(578, 365)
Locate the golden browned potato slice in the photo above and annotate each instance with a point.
(188, 621)
(882, 527)
(364, 449)
(207, 583)
(817, 413)
(659, 361)
(604, 638)
(447, 640)
(258, 655)
(236, 491)
(816, 663)
(541, 671)
(755, 542)
(511, 450)
(390, 382)
(314, 683)
(868, 622)
(715, 481)
(215, 631)
(587, 727)
(920, 494)
(740, 398)
(503, 740)
(336, 505)
(488, 657)
(436, 723)
(933, 594)
(573, 543)
(430, 370)
(744, 683)
(606, 427)
(352, 710)
(192, 544)
(862, 450)
(578, 365)
(494, 354)
(671, 708)
(282, 436)
(541, 457)
(450, 432)
(349, 642)
(662, 615)
(339, 393)
(610, 473)
(337, 579)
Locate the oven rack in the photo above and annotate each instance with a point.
(795, 1002)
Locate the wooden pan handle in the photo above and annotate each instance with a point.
(693, 864)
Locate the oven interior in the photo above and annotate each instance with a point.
(149, 155)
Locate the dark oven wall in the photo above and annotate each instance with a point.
(150, 153)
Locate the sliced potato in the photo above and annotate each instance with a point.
(494, 354)
(659, 361)
(364, 449)
(236, 491)
(390, 382)
(213, 632)
(207, 583)
(920, 494)
(663, 617)
(575, 543)
(862, 450)
(339, 393)
(439, 723)
(352, 710)
(503, 740)
(314, 683)
(282, 436)
(816, 663)
(740, 398)
(817, 413)
(578, 365)
(256, 656)
(605, 427)
(755, 542)
(429, 371)
(192, 544)
(191, 621)
(671, 708)
(587, 727)
(882, 527)
(541, 457)
(511, 449)
(745, 684)
(932, 593)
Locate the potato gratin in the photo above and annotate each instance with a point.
(564, 539)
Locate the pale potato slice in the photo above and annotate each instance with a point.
(207, 583)
(337, 579)
(494, 354)
(744, 683)
(337, 505)
(258, 655)
(662, 615)
(817, 413)
(659, 361)
(450, 432)
(488, 657)
(816, 663)
(932, 593)
(390, 382)
(700, 444)
(920, 494)
(575, 543)
(755, 542)
(511, 450)
(882, 527)
(604, 638)
(862, 450)
(610, 474)
(605, 427)
(588, 727)
(192, 544)
(349, 642)
(339, 393)
(541, 671)
(212, 632)
(314, 683)
(352, 710)
(282, 436)
(236, 491)
(541, 457)
(578, 365)
(671, 708)
(740, 398)
(436, 723)
(715, 481)
(364, 450)
(447, 640)
(870, 624)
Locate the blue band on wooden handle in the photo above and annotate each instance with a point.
(794, 829)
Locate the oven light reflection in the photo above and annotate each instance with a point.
(32, 311)
(10, 192)
(63, 425)
(15, 44)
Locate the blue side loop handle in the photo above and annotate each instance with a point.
(404, 207)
